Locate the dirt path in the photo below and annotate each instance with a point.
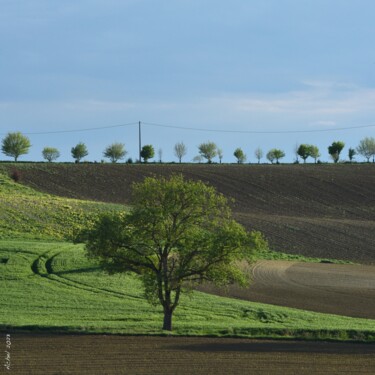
(336, 289)
(39, 354)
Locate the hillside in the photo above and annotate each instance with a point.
(325, 211)
(27, 213)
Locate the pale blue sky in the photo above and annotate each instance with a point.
(246, 65)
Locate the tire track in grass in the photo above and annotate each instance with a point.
(44, 262)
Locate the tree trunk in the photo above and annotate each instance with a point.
(167, 323)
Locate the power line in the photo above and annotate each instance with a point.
(79, 130)
(199, 129)
(256, 131)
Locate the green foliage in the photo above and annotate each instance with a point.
(208, 151)
(314, 152)
(335, 149)
(351, 153)
(305, 150)
(366, 148)
(266, 254)
(275, 154)
(15, 145)
(53, 286)
(115, 152)
(50, 153)
(147, 152)
(240, 155)
(79, 151)
(178, 233)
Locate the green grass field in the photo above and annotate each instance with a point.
(47, 283)
(53, 286)
(27, 213)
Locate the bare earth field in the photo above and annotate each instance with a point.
(39, 354)
(330, 288)
(325, 211)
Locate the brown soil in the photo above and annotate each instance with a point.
(323, 211)
(329, 288)
(39, 354)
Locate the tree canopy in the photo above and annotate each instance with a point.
(115, 152)
(335, 149)
(50, 153)
(351, 153)
(180, 150)
(275, 154)
(147, 152)
(178, 234)
(79, 151)
(239, 155)
(208, 150)
(366, 148)
(15, 145)
(304, 151)
(314, 152)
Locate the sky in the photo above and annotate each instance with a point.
(244, 73)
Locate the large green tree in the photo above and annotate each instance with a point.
(115, 152)
(15, 145)
(178, 234)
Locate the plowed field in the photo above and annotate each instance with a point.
(330, 288)
(325, 211)
(39, 354)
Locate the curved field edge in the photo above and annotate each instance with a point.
(50, 286)
(319, 211)
(26, 213)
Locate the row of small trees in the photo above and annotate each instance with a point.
(209, 150)
(17, 144)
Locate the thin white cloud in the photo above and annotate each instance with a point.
(327, 123)
(99, 105)
(318, 99)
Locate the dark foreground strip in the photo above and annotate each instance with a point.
(100, 354)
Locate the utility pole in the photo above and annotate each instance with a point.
(140, 141)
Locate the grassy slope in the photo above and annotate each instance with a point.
(50, 285)
(27, 213)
